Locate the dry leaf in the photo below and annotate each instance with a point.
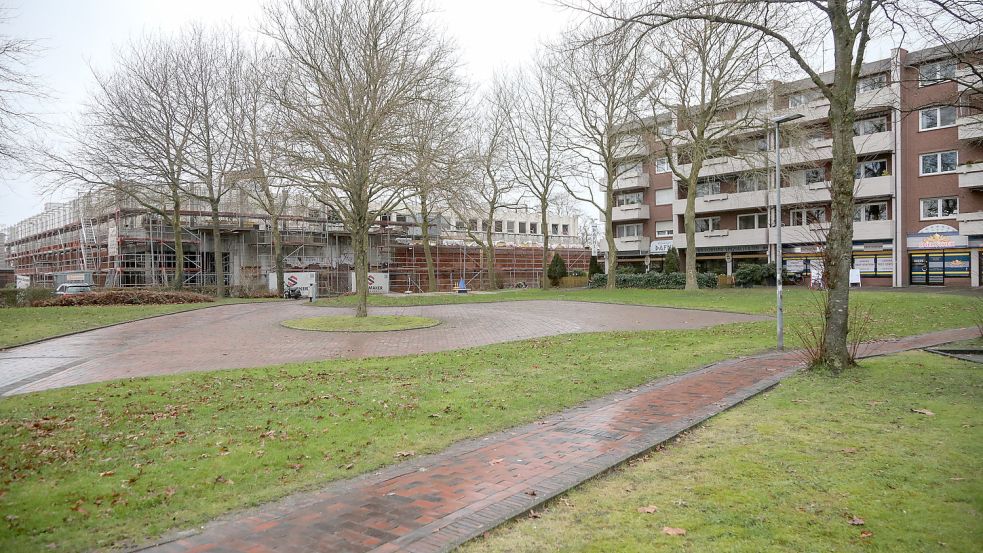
(400, 454)
(857, 521)
(866, 534)
(670, 531)
(648, 509)
(107, 473)
(534, 514)
(495, 461)
(923, 412)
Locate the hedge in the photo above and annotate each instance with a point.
(675, 281)
(127, 297)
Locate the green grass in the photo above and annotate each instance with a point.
(350, 323)
(19, 325)
(117, 463)
(789, 469)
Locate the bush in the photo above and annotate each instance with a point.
(127, 297)
(664, 281)
(594, 267)
(24, 297)
(750, 274)
(671, 264)
(556, 270)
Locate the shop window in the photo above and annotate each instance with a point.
(939, 208)
(706, 224)
(936, 118)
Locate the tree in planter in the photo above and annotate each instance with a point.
(557, 269)
(671, 264)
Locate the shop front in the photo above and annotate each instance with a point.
(940, 258)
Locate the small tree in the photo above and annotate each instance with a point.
(594, 267)
(671, 264)
(556, 270)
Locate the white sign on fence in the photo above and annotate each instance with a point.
(305, 282)
(23, 281)
(378, 283)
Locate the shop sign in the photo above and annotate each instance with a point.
(865, 264)
(937, 241)
(660, 247)
(795, 265)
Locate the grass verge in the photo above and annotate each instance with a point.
(789, 470)
(372, 323)
(20, 325)
(116, 463)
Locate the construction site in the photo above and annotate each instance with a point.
(114, 242)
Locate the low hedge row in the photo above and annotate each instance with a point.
(127, 297)
(23, 297)
(654, 280)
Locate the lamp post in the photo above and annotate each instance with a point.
(778, 222)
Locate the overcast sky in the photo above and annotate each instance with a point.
(77, 34)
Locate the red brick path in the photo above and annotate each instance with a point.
(438, 502)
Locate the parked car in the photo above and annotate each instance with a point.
(71, 289)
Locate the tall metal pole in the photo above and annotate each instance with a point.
(778, 234)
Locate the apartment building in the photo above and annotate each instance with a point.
(918, 191)
(511, 227)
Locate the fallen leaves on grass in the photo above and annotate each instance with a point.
(925, 412)
(866, 534)
(670, 531)
(223, 480)
(648, 509)
(401, 454)
(107, 473)
(856, 521)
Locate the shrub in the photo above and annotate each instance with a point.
(594, 267)
(127, 297)
(556, 270)
(671, 264)
(24, 297)
(665, 281)
(749, 274)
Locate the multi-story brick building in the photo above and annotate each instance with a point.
(919, 186)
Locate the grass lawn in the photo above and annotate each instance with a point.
(19, 325)
(116, 463)
(788, 471)
(372, 323)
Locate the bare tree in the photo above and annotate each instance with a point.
(355, 70)
(794, 25)
(604, 76)
(17, 86)
(133, 136)
(534, 110)
(956, 28)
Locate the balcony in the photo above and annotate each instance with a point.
(971, 175)
(819, 108)
(632, 244)
(725, 238)
(630, 145)
(970, 224)
(630, 213)
(632, 180)
(970, 127)
(816, 233)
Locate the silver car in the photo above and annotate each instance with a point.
(71, 289)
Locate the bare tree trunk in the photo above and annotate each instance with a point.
(277, 253)
(689, 224)
(612, 260)
(217, 252)
(839, 241)
(360, 246)
(546, 243)
(178, 245)
(492, 278)
(427, 250)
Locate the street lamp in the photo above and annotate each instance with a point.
(778, 221)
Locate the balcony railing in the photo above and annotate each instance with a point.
(630, 213)
(971, 175)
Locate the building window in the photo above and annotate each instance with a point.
(816, 175)
(565, 230)
(874, 211)
(473, 224)
(801, 217)
(632, 169)
(498, 226)
(662, 165)
(932, 73)
(631, 198)
(663, 197)
(522, 227)
(936, 118)
(940, 208)
(628, 231)
(663, 228)
(460, 225)
(803, 98)
(753, 221)
(705, 224)
(870, 126)
(707, 188)
(871, 169)
(939, 162)
(400, 218)
(509, 226)
(533, 228)
(667, 130)
(554, 228)
(873, 82)
(752, 182)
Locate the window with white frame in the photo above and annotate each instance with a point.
(705, 224)
(870, 169)
(484, 226)
(555, 228)
(460, 225)
(873, 211)
(522, 227)
(628, 231)
(870, 126)
(533, 228)
(498, 226)
(939, 208)
(662, 165)
(815, 175)
(509, 226)
(473, 224)
(663, 228)
(663, 196)
(936, 118)
(808, 216)
(938, 162)
(801, 98)
(932, 73)
(752, 182)
(565, 230)
(707, 188)
(873, 82)
(631, 198)
(752, 221)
